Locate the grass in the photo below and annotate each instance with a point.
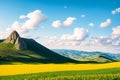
(101, 74)
(9, 54)
(35, 53)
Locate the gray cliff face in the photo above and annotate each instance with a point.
(12, 37)
(20, 44)
(15, 39)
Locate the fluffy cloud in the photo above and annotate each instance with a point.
(17, 26)
(91, 24)
(116, 33)
(78, 41)
(57, 24)
(102, 43)
(102, 40)
(79, 35)
(33, 20)
(68, 22)
(113, 12)
(106, 23)
(117, 10)
(117, 43)
(111, 43)
(114, 39)
(22, 17)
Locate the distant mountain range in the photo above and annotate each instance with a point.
(88, 56)
(17, 49)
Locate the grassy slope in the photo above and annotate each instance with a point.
(45, 52)
(35, 53)
(102, 74)
(86, 56)
(100, 58)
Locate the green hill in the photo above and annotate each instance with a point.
(99, 57)
(34, 53)
(17, 49)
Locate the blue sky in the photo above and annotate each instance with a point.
(88, 24)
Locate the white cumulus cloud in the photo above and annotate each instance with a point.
(112, 41)
(22, 17)
(91, 24)
(116, 33)
(33, 20)
(68, 22)
(102, 40)
(79, 35)
(106, 23)
(56, 24)
(117, 10)
(79, 40)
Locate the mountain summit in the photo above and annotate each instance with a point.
(15, 39)
(12, 37)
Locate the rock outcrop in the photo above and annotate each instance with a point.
(12, 37)
(15, 39)
(20, 44)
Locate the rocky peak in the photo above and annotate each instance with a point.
(12, 37)
(15, 39)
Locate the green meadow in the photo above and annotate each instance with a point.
(100, 74)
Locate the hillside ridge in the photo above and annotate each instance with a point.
(15, 39)
(23, 50)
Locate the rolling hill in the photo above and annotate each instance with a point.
(88, 56)
(17, 49)
(23, 50)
